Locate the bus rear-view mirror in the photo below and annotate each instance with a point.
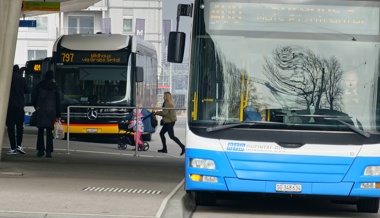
(176, 47)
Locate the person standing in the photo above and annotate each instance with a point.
(46, 101)
(169, 117)
(16, 113)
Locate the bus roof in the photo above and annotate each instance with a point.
(102, 42)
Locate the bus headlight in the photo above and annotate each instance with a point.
(202, 163)
(372, 171)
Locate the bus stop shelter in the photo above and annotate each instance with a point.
(10, 14)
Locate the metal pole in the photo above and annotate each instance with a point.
(68, 131)
(170, 79)
(136, 107)
(136, 119)
(137, 130)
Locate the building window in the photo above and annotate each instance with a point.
(81, 25)
(42, 23)
(36, 54)
(127, 25)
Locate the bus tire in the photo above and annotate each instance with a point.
(368, 205)
(205, 199)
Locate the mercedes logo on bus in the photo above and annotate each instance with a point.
(92, 114)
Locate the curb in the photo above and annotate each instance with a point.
(180, 205)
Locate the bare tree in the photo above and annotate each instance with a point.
(304, 76)
(334, 89)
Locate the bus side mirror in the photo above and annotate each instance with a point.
(139, 76)
(176, 47)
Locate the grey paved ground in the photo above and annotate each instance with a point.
(93, 180)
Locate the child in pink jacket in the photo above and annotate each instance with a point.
(137, 125)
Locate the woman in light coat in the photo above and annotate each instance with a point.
(169, 117)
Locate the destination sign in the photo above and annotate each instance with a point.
(34, 67)
(40, 6)
(294, 18)
(37, 67)
(90, 57)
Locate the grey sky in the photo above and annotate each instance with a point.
(169, 12)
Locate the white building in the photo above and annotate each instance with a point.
(143, 18)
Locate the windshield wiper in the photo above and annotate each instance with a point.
(249, 123)
(252, 123)
(336, 118)
(351, 127)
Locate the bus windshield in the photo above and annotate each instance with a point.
(310, 65)
(88, 85)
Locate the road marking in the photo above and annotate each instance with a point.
(11, 173)
(110, 153)
(123, 190)
(45, 214)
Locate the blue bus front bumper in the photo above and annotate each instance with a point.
(240, 172)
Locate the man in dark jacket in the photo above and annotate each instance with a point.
(46, 100)
(16, 113)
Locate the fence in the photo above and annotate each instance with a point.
(103, 107)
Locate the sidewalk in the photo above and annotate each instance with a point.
(94, 180)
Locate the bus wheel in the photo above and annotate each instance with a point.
(368, 205)
(205, 199)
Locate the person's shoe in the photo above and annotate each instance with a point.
(163, 151)
(48, 154)
(20, 150)
(40, 153)
(12, 151)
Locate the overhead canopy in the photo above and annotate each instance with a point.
(66, 6)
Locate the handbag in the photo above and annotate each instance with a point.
(33, 118)
(153, 121)
(58, 131)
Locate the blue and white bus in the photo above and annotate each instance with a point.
(307, 73)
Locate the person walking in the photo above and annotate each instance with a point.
(169, 117)
(46, 101)
(16, 113)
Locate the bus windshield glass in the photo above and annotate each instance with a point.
(101, 85)
(309, 64)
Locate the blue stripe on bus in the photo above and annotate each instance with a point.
(318, 175)
(286, 167)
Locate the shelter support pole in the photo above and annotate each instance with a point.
(9, 22)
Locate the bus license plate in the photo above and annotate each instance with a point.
(92, 130)
(288, 188)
